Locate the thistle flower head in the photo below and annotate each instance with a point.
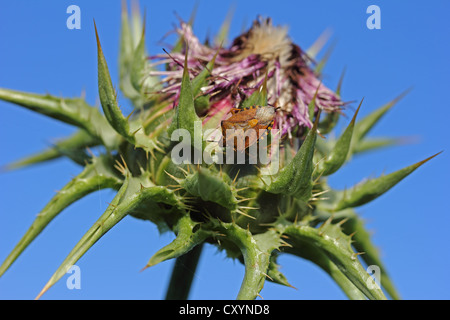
(253, 214)
(263, 51)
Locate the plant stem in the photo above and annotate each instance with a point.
(183, 274)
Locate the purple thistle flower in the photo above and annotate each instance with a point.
(240, 70)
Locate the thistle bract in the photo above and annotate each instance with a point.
(254, 211)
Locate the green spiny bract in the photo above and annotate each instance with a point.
(254, 217)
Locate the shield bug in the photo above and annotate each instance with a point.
(246, 126)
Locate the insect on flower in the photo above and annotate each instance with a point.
(246, 126)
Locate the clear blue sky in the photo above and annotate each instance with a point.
(410, 223)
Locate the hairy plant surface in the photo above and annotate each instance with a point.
(253, 216)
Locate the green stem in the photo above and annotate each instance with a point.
(183, 274)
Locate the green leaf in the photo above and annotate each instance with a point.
(136, 195)
(371, 144)
(149, 144)
(126, 44)
(339, 153)
(185, 115)
(328, 122)
(96, 176)
(319, 67)
(361, 241)
(73, 111)
(180, 41)
(372, 189)
(318, 45)
(258, 98)
(126, 54)
(193, 14)
(363, 126)
(201, 101)
(339, 85)
(112, 216)
(202, 104)
(337, 247)
(183, 273)
(222, 36)
(201, 79)
(159, 205)
(139, 64)
(108, 97)
(331, 118)
(274, 274)
(74, 144)
(189, 234)
(210, 186)
(40, 157)
(295, 178)
(308, 251)
(256, 251)
(312, 104)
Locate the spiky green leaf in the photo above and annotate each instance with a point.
(373, 188)
(96, 176)
(318, 44)
(312, 104)
(372, 144)
(339, 153)
(137, 195)
(330, 119)
(323, 61)
(126, 43)
(258, 98)
(211, 186)
(74, 144)
(222, 36)
(201, 79)
(185, 115)
(108, 97)
(73, 111)
(295, 178)
(363, 126)
(126, 50)
(256, 251)
(274, 274)
(337, 247)
(189, 234)
(139, 64)
(362, 242)
(308, 251)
